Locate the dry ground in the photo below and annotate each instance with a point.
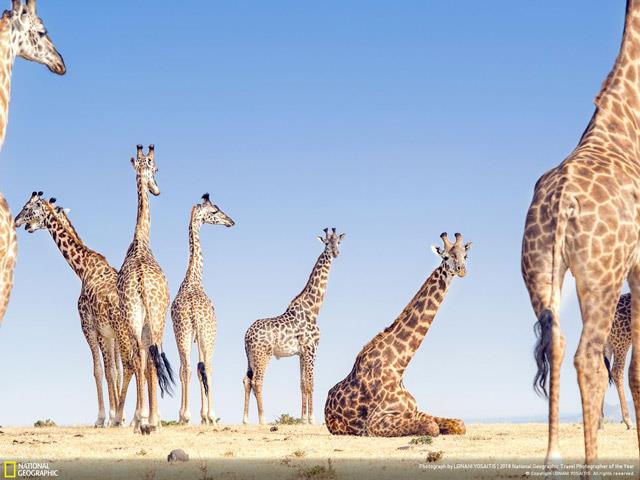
(238, 452)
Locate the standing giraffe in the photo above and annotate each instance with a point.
(22, 34)
(144, 300)
(585, 217)
(295, 332)
(372, 399)
(193, 315)
(615, 352)
(98, 305)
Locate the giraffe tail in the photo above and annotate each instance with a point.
(203, 378)
(607, 363)
(542, 352)
(163, 370)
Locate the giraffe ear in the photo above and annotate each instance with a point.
(468, 246)
(321, 240)
(342, 235)
(437, 251)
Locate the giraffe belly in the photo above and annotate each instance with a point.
(286, 350)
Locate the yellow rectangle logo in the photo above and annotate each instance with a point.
(9, 470)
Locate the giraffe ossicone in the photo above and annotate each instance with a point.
(193, 314)
(372, 400)
(295, 332)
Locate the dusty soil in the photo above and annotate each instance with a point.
(307, 452)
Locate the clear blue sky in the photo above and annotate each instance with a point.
(393, 122)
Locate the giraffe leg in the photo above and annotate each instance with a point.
(211, 415)
(92, 340)
(141, 418)
(184, 351)
(545, 290)
(256, 385)
(127, 373)
(246, 381)
(106, 348)
(388, 423)
(450, 426)
(152, 385)
(634, 367)
(307, 361)
(597, 305)
(303, 391)
(617, 372)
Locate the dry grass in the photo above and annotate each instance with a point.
(255, 452)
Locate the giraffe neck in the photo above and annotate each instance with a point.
(71, 247)
(194, 270)
(412, 325)
(618, 102)
(143, 220)
(7, 57)
(313, 293)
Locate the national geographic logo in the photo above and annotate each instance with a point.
(27, 470)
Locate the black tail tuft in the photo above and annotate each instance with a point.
(168, 368)
(249, 373)
(607, 363)
(164, 378)
(542, 352)
(203, 378)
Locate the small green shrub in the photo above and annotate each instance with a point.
(286, 419)
(422, 440)
(318, 472)
(45, 423)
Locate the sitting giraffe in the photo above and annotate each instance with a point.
(22, 34)
(193, 315)
(98, 307)
(144, 299)
(372, 399)
(295, 332)
(615, 353)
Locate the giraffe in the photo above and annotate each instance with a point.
(295, 332)
(144, 299)
(22, 34)
(193, 315)
(585, 217)
(372, 400)
(98, 306)
(615, 352)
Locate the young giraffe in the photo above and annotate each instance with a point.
(22, 34)
(144, 299)
(615, 352)
(295, 332)
(193, 315)
(98, 306)
(584, 217)
(372, 399)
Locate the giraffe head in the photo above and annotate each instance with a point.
(29, 36)
(145, 167)
(454, 255)
(331, 242)
(208, 212)
(32, 215)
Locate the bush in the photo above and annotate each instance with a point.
(286, 419)
(45, 423)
